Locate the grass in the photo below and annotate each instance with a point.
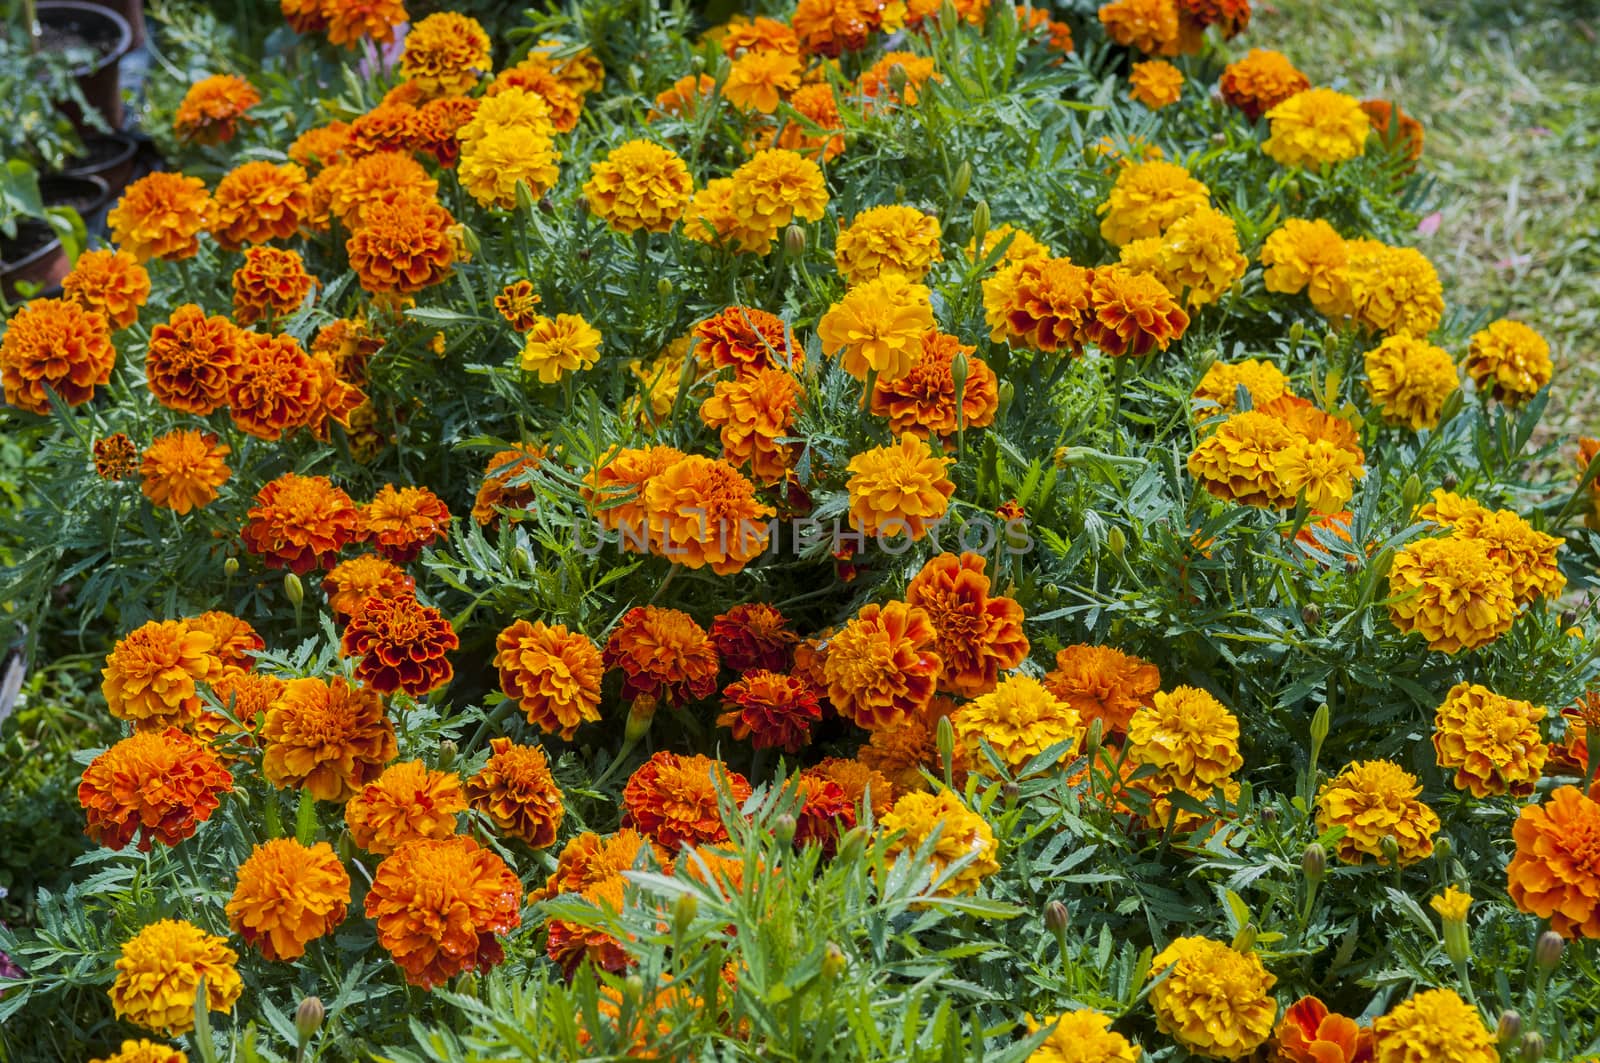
(1510, 100)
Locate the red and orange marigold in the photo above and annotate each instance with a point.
(773, 710)
(672, 799)
(977, 637)
(276, 388)
(407, 802)
(517, 792)
(754, 635)
(552, 674)
(883, 667)
(399, 522)
(300, 523)
(663, 655)
(52, 345)
(400, 644)
(402, 246)
(154, 785)
(287, 895)
(328, 737)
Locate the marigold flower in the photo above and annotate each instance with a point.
(751, 413)
(703, 512)
(863, 785)
(399, 522)
(1218, 391)
(901, 754)
(1188, 735)
(1509, 361)
(259, 202)
(354, 189)
(245, 695)
(1399, 132)
(402, 246)
(1434, 1024)
(400, 644)
(639, 185)
(773, 710)
(588, 860)
(494, 164)
(962, 833)
(771, 190)
(746, 340)
(115, 457)
(160, 971)
(143, 1051)
(1038, 302)
(1057, 34)
(1316, 127)
(350, 583)
(759, 80)
(1452, 592)
(553, 674)
(287, 895)
(183, 469)
(882, 666)
(321, 145)
(436, 125)
(559, 345)
(1131, 314)
(535, 76)
(815, 103)
(192, 361)
(1238, 461)
(1260, 81)
(831, 27)
(1554, 874)
(1020, 718)
(212, 108)
(1146, 198)
(405, 803)
(1527, 556)
(150, 674)
(753, 637)
(1214, 1001)
(154, 785)
(1410, 379)
(1149, 26)
(517, 792)
(977, 637)
(1374, 799)
(439, 904)
(672, 799)
(349, 22)
(54, 345)
(900, 489)
(1200, 256)
(1229, 16)
(824, 812)
(328, 737)
(615, 488)
(271, 283)
(1310, 1033)
(1155, 83)
(684, 98)
(569, 943)
(1020, 246)
(663, 654)
(1309, 256)
(160, 216)
(1394, 290)
(1101, 683)
(518, 303)
(710, 219)
(445, 53)
(112, 282)
(923, 402)
(1081, 1037)
(300, 523)
(276, 388)
(888, 239)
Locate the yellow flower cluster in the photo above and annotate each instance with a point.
(1376, 801)
(962, 834)
(1315, 128)
(888, 239)
(510, 140)
(1410, 379)
(1272, 456)
(1019, 719)
(1148, 197)
(747, 210)
(1214, 1001)
(1492, 742)
(639, 185)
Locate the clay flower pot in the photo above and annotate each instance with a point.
(68, 23)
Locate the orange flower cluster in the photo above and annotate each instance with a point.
(403, 246)
(154, 785)
(882, 667)
(405, 803)
(271, 283)
(751, 413)
(400, 645)
(160, 216)
(899, 490)
(1103, 684)
(923, 402)
(773, 710)
(673, 801)
(151, 674)
(259, 202)
(350, 583)
(664, 655)
(496, 493)
(399, 522)
(287, 896)
(212, 108)
(52, 346)
(112, 282)
(183, 469)
(115, 457)
(976, 636)
(748, 341)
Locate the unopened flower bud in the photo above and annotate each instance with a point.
(1410, 491)
(980, 224)
(1569, 618)
(1532, 1047)
(1310, 615)
(1442, 849)
(1321, 723)
(794, 241)
(1314, 862)
(1510, 1027)
(640, 715)
(1117, 541)
(308, 1018)
(783, 828)
(1390, 848)
(1449, 481)
(1547, 950)
(1245, 939)
(293, 589)
(526, 202)
(1269, 815)
(1330, 388)
(663, 287)
(467, 984)
(633, 986)
(962, 182)
(1051, 592)
(833, 961)
(1008, 391)
(852, 844)
(945, 737)
(1297, 332)
(230, 567)
(1093, 737)
(684, 909)
(959, 368)
(447, 754)
(1055, 917)
(582, 202)
(897, 84)
(899, 189)
(1011, 791)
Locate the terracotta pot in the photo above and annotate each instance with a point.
(111, 158)
(34, 257)
(108, 33)
(132, 12)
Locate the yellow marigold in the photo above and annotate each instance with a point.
(1509, 361)
(1410, 379)
(445, 54)
(1238, 461)
(212, 108)
(192, 360)
(271, 283)
(551, 673)
(1373, 800)
(1200, 255)
(1452, 592)
(535, 76)
(160, 215)
(751, 413)
(709, 219)
(899, 489)
(402, 246)
(877, 327)
(1146, 198)
(759, 80)
(882, 667)
(703, 512)
(562, 344)
(407, 802)
(1214, 1001)
(153, 785)
(54, 345)
(770, 191)
(1260, 81)
(1315, 128)
(878, 82)
(159, 974)
(439, 905)
(1394, 290)
(1309, 256)
(1528, 556)
(1435, 1024)
(1188, 735)
(639, 185)
(517, 792)
(963, 834)
(150, 674)
(1081, 1037)
(923, 402)
(578, 68)
(886, 239)
(491, 167)
(1101, 683)
(143, 1051)
(349, 22)
(1131, 314)
(1150, 26)
(1323, 471)
(329, 737)
(258, 202)
(510, 108)
(1038, 302)
(112, 282)
(1492, 742)
(1155, 83)
(182, 470)
(1020, 245)
(287, 895)
(1218, 391)
(684, 98)
(816, 104)
(1020, 719)
(1554, 874)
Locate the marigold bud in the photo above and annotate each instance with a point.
(1055, 917)
(1245, 939)
(1510, 1027)
(783, 828)
(1390, 847)
(833, 961)
(1269, 815)
(794, 241)
(230, 567)
(1532, 1047)
(980, 223)
(1547, 950)
(684, 909)
(1569, 618)
(1321, 723)
(962, 182)
(1011, 791)
(293, 589)
(1310, 615)
(447, 754)
(640, 715)
(1094, 736)
(852, 844)
(1314, 862)
(1297, 332)
(1117, 541)
(945, 737)
(308, 1018)
(1410, 491)
(525, 201)
(663, 287)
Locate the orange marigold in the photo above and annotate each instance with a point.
(672, 799)
(288, 895)
(1452, 592)
(112, 282)
(156, 785)
(52, 345)
(977, 637)
(588, 859)
(882, 667)
(354, 189)
(831, 27)
(685, 97)
(212, 108)
(759, 80)
(276, 388)
(751, 413)
(436, 125)
(553, 674)
(183, 469)
(862, 784)
(259, 202)
(349, 22)
(160, 216)
(150, 674)
(445, 53)
(300, 523)
(517, 792)
(616, 486)
(321, 145)
(1131, 313)
(570, 942)
(663, 654)
(495, 493)
(1310, 1033)
(878, 82)
(400, 645)
(235, 642)
(1260, 81)
(1103, 684)
(818, 106)
(1399, 132)
(902, 753)
(900, 489)
(245, 695)
(825, 811)
(406, 802)
(439, 905)
(746, 340)
(923, 402)
(328, 737)
(160, 971)
(350, 583)
(518, 303)
(754, 636)
(1150, 26)
(402, 246)
(773, 710)
(399, 522)
(192, 360)
(271, 283)
(1555, 873)
(704, 513)
(963, 833)
(115, 457)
